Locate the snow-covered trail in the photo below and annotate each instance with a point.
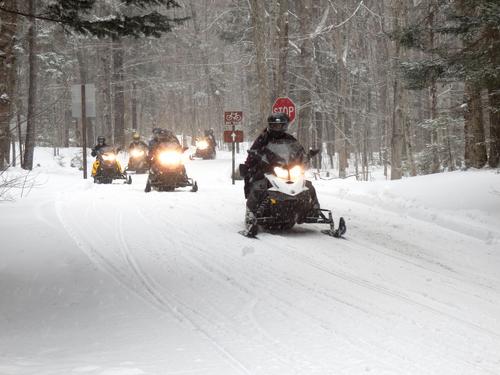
(110, 280)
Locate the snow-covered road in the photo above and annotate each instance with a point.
(106, 280)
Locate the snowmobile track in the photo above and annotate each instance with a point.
(386, 291)
(263, 281)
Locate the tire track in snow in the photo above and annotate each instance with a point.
(386, 291)
(223, 277)
(103, 263)
(418, 216)
(151, 291)
(152, 288)
(191, 245)
(263, 282)
(479, 280)
(119, 276)
(452, 359)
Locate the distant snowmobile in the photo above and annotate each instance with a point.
(138, 160)
(205, 149)
(285, 197)
(107, 168)
(167, 171)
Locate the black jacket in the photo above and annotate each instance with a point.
(253, 161)
(96, 148)
(155, 143)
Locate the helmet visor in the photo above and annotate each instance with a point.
(278, 126)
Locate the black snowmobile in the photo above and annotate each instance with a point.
(283, 196)
(205, 149)
(138, 160)
(167, 171)
(107, 168)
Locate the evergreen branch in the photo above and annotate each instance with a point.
(28, 15)
(68, 13)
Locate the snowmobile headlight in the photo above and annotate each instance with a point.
(170, 158)
(136, 153)
(108, 157)
(281, 172)
(202, 145)
(296, 172)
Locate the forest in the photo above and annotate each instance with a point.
(410, 86)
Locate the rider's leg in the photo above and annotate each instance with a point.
(256, 193)
(314, 198)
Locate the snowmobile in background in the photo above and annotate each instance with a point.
(107, 168)
(205, 149)
(285, 198)
(138, 160)
(167, 171)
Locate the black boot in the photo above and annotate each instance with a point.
(251, 224)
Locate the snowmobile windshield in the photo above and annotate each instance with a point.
(171, 145)
(284, 152)
(107, 150)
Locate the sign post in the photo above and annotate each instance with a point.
(84, 133)
(285, 105)
(232, 118)
(83, 106)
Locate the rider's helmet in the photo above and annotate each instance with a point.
(136, 136)
(162, 135)
(156, 132)
(101, 140)
(278, 122)
(168, 136)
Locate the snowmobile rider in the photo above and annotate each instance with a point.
(209, 135)
(137, 143)
(101, 142)
(163, 136)
(277, 125)
(154, 139)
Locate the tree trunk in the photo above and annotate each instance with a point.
(281, 69)
(68, 119)
(82, 68)
(134, 107)
(119, 94)
(435, 165)
(494, 100)
(494, 104)
(341, 51)
(107, 105)
(409, 146)
(19, 132)
(259, 34)
(8, 26)
(330, 136)
(397, 111)
(29, 148)
(306, 84)
(475, 147)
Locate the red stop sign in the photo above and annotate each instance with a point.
(285, 105)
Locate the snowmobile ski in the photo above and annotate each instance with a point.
(338, 232)
(248, 234)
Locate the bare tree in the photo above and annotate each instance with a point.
(8, 27)
(259, 34)
(29, 148)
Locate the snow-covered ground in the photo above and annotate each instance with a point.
(108, 280)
